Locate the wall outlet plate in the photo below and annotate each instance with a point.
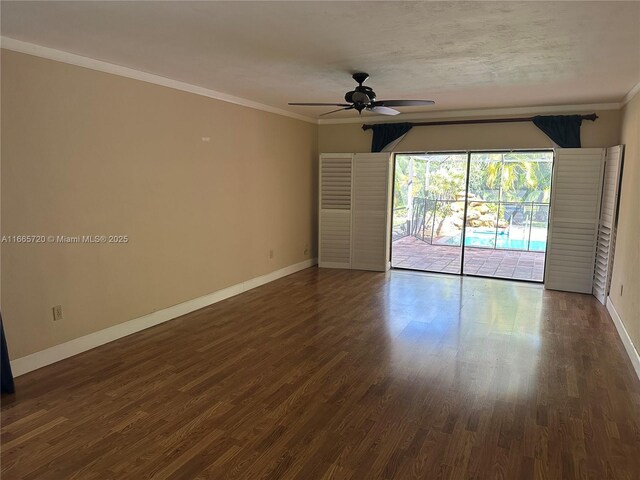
(57, 313)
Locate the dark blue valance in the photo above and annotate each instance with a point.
(385, 133)
(564, 130)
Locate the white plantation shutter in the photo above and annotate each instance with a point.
(355, 196)
(371, 207)
(573, 223)
(607, 224)
(335, 211)
(610, 185)
(335, 181)
(600, 286)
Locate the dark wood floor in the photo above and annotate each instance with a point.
(342, 374)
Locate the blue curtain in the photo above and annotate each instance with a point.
(385, 133)
(6, 376)
(564, 130)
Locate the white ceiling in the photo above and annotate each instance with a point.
(463, 55)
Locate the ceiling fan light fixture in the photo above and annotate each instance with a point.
(360, 97)
(364, 98)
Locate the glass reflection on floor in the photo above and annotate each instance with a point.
(469, 334)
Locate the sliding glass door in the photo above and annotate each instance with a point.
(499, 213)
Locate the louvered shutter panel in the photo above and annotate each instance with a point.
(573, 225)
(335, 211)
(371, 206)
(607, 227)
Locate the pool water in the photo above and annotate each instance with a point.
(488, 239)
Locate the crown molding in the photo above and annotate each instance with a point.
(418, 116)
(631, 93)
(106, 67)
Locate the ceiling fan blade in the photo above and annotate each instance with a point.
(383, 110)
(338, 110)
(321, 104)
(402, 103)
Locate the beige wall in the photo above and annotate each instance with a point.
(626, 266)
(604, 132)
(85, 152)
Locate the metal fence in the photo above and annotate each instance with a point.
(429, 216)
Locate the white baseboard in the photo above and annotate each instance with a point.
(624, 336)
(26, 364)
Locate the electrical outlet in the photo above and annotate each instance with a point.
(271, 253)
(57, 313)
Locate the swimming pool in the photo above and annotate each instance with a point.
(487, 238)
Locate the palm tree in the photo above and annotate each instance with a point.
(517, 174)
(520, 178)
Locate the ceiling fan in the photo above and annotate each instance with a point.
(364, 98)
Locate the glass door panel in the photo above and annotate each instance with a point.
(507, 214)
(428, 211)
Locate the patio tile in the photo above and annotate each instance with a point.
(410, 252)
